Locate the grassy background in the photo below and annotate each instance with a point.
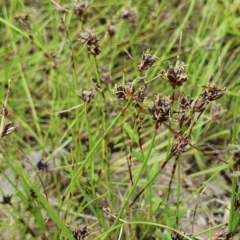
(88, 146)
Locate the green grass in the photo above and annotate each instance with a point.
(105, 156)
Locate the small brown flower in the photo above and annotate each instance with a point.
(7, 199)
(198, 104)
(81, 232)
(112, 29)
(23, 21)
(105, 75)
(161, 109)
(185, 102)
(147, 61)
(33, 194)
(175, 75)
(80, 7)
(141, 94)
(87, 95)
(90, 41)
(8, 129)
(120, 92)
(97, 87)
(42, 165)
(129, 14)
(181, 143)
(124, 90)
(212, 93)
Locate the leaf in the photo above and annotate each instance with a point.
(131, 132)
(39, 218)
(181, 214)
(152, 152)
(137, 155)
(143, 181)
(154, 169)
(157, 199)
(171, 216)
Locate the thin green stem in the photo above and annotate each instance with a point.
(178, 189)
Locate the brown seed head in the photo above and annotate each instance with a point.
(124, 90)
(7, 199)
(181, 144)
(81, 232)
(42, 165)
(140, 96)
(161, 109)
(129, 14)
(105, 75)
(90, 41)
(175, 75)
(23, 21)
(87, 95)
(185, 102)
(80, 7)
(112, 29)
(212, 93)
(147, 61)
(8, 129)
